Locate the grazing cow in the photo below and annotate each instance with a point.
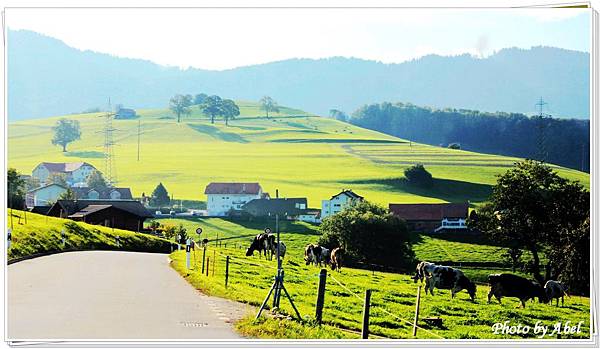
(449, 278)
(555, 289)
(424, 270)
(337, 256)
(282, 249)
(509, 285)
(270, 244)
(316, 254)
(258, 244)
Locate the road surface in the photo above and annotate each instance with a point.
(111, 295)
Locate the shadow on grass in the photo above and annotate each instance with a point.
(335, 140)
(259, 224)
(85, 154)
(217, 133)
(443, 189)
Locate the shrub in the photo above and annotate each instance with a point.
(454, 146)
(369, 234)
(419, 176)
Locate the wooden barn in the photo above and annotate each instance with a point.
(120, 214)
(432, 218)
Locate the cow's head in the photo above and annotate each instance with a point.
(472, 289)
(249, 252)
(540, 293)
(416, 278)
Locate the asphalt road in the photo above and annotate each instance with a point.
(111, 295)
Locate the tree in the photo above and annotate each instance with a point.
(58, 178)
(180, 105)
(65, 132)
(338, 115)
(230, 110)
(268, 104)
(212, 106)
(68, 195)
(419, 176)
(200, 98)
(16, 189)
(96, 181)
(534, 208)
(369, 234)
(160, 196)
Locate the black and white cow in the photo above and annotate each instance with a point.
(555, 289)
(449, 278)
(258, 244)
(316, 254)
(337, 259)
(423, 271)
(510, 285)
(282, 249)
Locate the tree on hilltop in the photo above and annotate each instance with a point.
(180, 105)
(200, 98)
(65, 132)
(230, 110)
(212, 106)
(268, 104)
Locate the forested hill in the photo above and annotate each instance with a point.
(46, 77)
(567, 141)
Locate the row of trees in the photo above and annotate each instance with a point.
(215, 106)
(567, 141)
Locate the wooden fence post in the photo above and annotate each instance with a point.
(226, 271)
(203, 257)
(417, 311)
(207, 264)
(214, 262)
(366, 310)
(321, 295)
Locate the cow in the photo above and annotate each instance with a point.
(510, 285)
(258, 244)
(316, 254)
(555, 289)
(455, 280)
(270, 245)
(337, 256)
(424, 270)
(282, 249)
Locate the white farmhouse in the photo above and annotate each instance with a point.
(222, 198)
(44, 196)
(338, 202)
(76, 173)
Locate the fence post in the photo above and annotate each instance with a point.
(226, 271)
(366, 310)
(214, 262)
(207, 264)
(203, 257)
(417, 311)
(321, 295)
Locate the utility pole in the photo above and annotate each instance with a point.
(109, 170)
(542, 124)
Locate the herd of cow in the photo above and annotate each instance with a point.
(434, 276)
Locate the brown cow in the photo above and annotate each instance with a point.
(337, 256)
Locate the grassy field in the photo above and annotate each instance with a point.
(40, 234)
(301, 155)
(393, 298)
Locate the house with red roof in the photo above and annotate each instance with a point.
(433, 218)
(224, 199)
(76, 173)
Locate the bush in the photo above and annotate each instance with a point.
(454, 146)
(369, 234)
(419, 176)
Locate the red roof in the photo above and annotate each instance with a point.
(233, 188)
(430, 212)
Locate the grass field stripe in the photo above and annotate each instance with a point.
(408, 322)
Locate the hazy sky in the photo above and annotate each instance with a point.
(227, 38)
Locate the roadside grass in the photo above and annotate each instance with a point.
(42, 234)
(393, 299)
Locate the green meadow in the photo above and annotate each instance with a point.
(300, 154)
(393, 299)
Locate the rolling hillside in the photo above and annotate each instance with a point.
(300, 154)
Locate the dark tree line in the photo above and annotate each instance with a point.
(567, 141)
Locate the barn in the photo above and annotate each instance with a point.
(433, 218)
(120, 214)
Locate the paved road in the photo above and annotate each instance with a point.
(111, 295)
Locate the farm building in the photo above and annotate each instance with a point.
(288, 208)
(76, 173)
(103, 194)
(432, 217)
(44, 195)
(125, 113)
(225, 198)
(49, 194)
(120, 214)
(338, 202)
(311, 215)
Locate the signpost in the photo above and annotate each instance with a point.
(8, 238)
(187, 252)
(178, 242)
(62, 235)
(118, 241)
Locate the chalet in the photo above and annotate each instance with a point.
(226, 198)
(120, 214)
(338, 202)
(432, 218)
(286, 208)
(45, 195)
(76, 173)
(125, 113)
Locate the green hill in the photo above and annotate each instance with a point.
(298, 153)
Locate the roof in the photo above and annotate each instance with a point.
(46, 186)
(283, 206)
(72, 206)
(82, 192)
(63, 166)
(430, 212)
(40, 209)
(233, 188)
(89, 209)
(349, 193)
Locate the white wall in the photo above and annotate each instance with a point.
(220, 204)
(335, 205)
(46, 195)
(41, 173)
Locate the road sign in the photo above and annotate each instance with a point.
(268, 230)
(187, 250)
(9, 237)
(199, 231)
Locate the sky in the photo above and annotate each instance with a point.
(219, 39)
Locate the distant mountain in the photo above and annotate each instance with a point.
(47, 77)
